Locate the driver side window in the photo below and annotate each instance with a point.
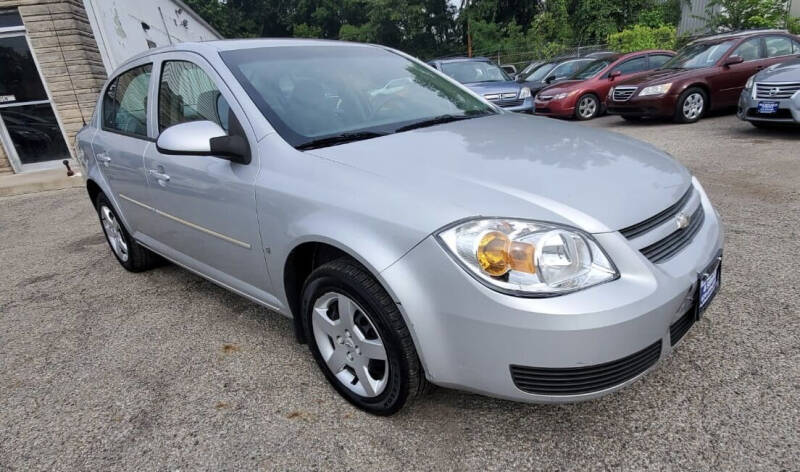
(187, 94)
(749, 50)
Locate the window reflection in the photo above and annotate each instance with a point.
(35, 133)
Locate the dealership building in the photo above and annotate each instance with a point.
(55, 56)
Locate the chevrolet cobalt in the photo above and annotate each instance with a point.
(415, 232)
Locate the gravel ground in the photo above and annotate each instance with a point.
(106, 370)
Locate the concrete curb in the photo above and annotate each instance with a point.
(41, 181)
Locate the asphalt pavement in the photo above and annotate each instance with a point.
(101, 369)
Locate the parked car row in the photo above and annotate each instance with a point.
(758, 70)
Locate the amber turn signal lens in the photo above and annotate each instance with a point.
(521, 257)
(497, 254)
(492, 253)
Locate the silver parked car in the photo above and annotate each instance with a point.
(772, 96)
(413, 231)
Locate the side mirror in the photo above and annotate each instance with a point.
(519, 79)
(203, 138)
(734, 60)
(550, 79)
(614, 74)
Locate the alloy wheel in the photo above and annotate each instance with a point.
(693, 106)
(114, 233)
(350, 344)
(587, 107)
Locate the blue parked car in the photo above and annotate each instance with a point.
(484, 77)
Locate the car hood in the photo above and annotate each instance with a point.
(564, 86)
(483, 88)
(659, 76)
(522, 166)
(784, 72)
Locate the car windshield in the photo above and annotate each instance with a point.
(698, 55)
(332, 94)
(469, 72)
(540, 72)
(592, 69)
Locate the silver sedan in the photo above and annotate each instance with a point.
(413, 231)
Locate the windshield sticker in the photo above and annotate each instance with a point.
(7, 98)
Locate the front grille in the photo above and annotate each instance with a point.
(679, 328)
(623, 94)
(640, 228)
(662, 250)
(580, 380)
(506, 99)
(776, 91)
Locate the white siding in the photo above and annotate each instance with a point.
(689, 23)
(123, 28)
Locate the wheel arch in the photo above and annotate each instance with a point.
(702, 86)
(306, 256)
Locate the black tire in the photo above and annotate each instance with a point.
(589, 97)
(139, 258)
(405, 378)
(632, 118)
(688, 94)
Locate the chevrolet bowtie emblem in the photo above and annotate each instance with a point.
(682, 220)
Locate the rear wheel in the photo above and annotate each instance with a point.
(359, 339)
(128, 252)
(691, 105)
(588, 107)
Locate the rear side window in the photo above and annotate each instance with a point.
(749, 50)
(125, 102)
(632, 66)
(779, 46)
(187, 94)
(658, 60)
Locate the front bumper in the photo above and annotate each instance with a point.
(525, 107)
(469, 336)
(646, 107)
(788, 109)
(557, 108)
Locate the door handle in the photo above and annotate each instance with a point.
(159, 175)
(103, 158)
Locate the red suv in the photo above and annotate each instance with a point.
(584, 94)
(707, 74)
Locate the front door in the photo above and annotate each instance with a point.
(206, 205)
(29, 131)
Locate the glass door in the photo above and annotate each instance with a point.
(29, 130)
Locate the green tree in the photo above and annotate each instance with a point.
(729, 15)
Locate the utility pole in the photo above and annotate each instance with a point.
(463, 11)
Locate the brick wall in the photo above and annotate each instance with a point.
(74, 72)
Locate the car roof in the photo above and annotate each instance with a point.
(217, 46)
(738, 34)
(444, 60)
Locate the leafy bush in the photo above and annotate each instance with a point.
(793, 25)
(642, 37)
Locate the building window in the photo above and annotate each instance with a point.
(10, 19)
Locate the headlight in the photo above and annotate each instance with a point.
(524, 92)
(749, 84)
(561, 96)
(528, 258)
(655, 90)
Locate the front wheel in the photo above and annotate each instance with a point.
(359, 338)
(588, 107)
(691, 105)
(129, 253)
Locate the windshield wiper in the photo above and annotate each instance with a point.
(339, 139)
(438, 120)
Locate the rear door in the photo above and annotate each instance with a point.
(120, 144)
(206, 205)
